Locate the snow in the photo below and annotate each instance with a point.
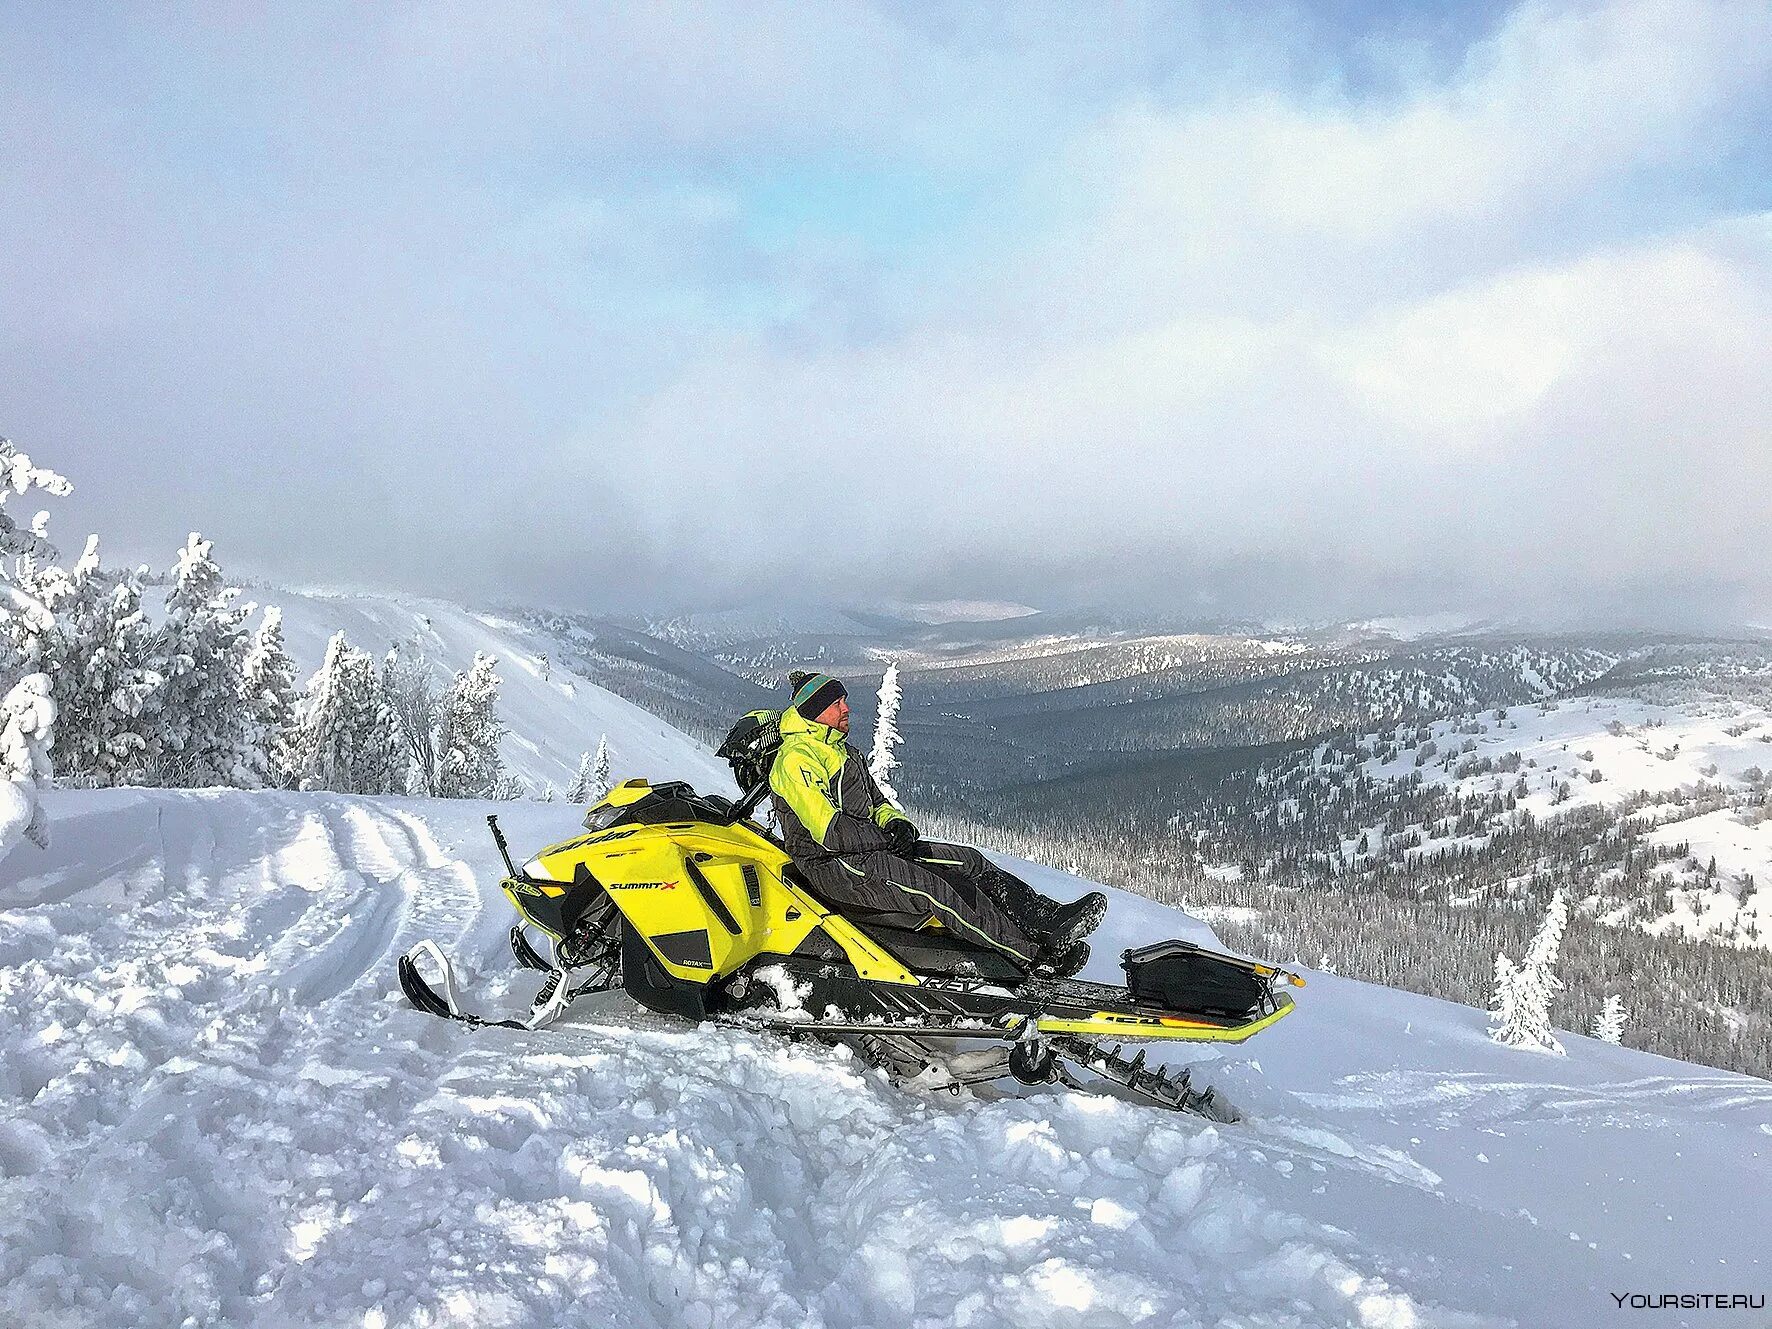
(1638, 748)
(1413, 627)
(551, 722)
(17, 808)
(1659, 748)
(216, 1109)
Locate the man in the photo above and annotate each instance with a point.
(867, 858)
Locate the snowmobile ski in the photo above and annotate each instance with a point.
(557, 992)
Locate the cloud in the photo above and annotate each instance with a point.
(1381, 339)
(1200, 309)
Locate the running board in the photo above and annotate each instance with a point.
(846, 1028)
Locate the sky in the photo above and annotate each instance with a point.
(1234, 310)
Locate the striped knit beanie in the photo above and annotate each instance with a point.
(813, 693)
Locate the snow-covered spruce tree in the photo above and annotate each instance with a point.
(27, 731)
(345, 738)
(579, 791)
(322, 749)
(468, 761)
(27, 712)
(385, 767)
(1504, 1007)
(411, 695)
(881, 760)
(105, 680)
(601, 783)
(382, 764)
(268, 690)
(201, 734)
(1541, 959)
(1533, 986)
(68, 595)
(1609, 1023)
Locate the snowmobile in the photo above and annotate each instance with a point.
(693, 908)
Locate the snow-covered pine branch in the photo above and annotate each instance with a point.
(881, 760)
(19, 475)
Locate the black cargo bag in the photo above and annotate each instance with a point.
(750, 748)
(1179, 976)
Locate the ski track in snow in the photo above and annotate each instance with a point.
(216, 1110)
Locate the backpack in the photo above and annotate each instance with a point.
(750, 748)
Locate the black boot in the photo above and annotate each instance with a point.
(1062, 963)
(1076, 920)
(1032, 912)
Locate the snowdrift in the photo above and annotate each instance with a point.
(214, 1109)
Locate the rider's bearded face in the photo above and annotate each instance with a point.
(836, 715)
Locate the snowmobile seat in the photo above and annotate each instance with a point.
(919, 950)
(797, 879)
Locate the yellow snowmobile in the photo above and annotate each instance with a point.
(693, 908)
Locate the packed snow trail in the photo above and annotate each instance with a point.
(216, 1110)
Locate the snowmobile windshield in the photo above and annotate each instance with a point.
(602, 818)
(665, 803)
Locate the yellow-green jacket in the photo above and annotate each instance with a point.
(826, 799)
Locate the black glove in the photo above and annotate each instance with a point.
(903, 834)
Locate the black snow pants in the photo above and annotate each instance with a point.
(948, 882)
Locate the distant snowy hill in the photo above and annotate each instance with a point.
(552, 719)
(216, 1109)
(1691, 773)
(960, 611)
(1413, 627)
